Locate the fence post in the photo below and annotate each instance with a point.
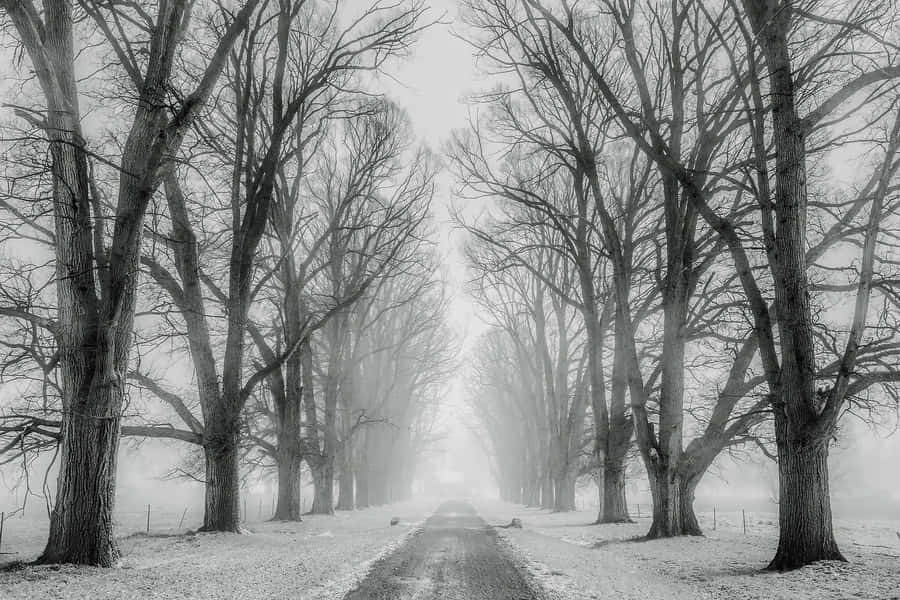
(245, 509)
(181, 522)
(2, 519)
(639, 510)
(744, 519)
(148, 518)
(714, 518)
(260, 508)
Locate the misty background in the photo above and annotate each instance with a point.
(435, 85)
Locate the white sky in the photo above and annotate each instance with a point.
(432, 85)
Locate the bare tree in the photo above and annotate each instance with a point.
(268, 119)
(401, 358)
(547, 335)
(375, 190)
(773, 66)
(96, 273)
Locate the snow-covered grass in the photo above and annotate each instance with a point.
(575, 560)
(318, 559)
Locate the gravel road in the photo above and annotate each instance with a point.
(454, 557)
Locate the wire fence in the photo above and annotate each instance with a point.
(24, 532)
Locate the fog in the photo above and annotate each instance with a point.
(446, 298)
(435, 84)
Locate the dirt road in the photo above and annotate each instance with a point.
(455, 557)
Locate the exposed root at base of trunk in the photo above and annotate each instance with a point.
(782, 563)
(239, 530)
(616, 521)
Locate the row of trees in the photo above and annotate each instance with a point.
(221, 188)
(690, 239)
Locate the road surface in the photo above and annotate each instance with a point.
(455, 557)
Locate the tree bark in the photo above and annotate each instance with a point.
(688, 484)
(801, 431)
(323, 486)
(673, 498)
(222, 500)
(615, 507)
(287, 507)
(81, 525)
(804, 511)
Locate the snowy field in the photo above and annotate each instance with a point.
(318, 559)
(578, 561)
(323, 557)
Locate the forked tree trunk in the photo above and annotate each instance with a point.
(323, 486)
(81, 525)
(804, 509)
(223, 497)
(672, 506)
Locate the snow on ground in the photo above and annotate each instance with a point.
(318, 559)
(578, 561)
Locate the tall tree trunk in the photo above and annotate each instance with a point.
(805, 528)
(804, 509)
(81, 525)
(323, 486)
(564, 494)
(223, 498)
(598, 476)
(615, 506)
(290, 463)
(345, 479)
(289, 453)
(546, 490)
(688, 483)
(96, 282)
(363, 469)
